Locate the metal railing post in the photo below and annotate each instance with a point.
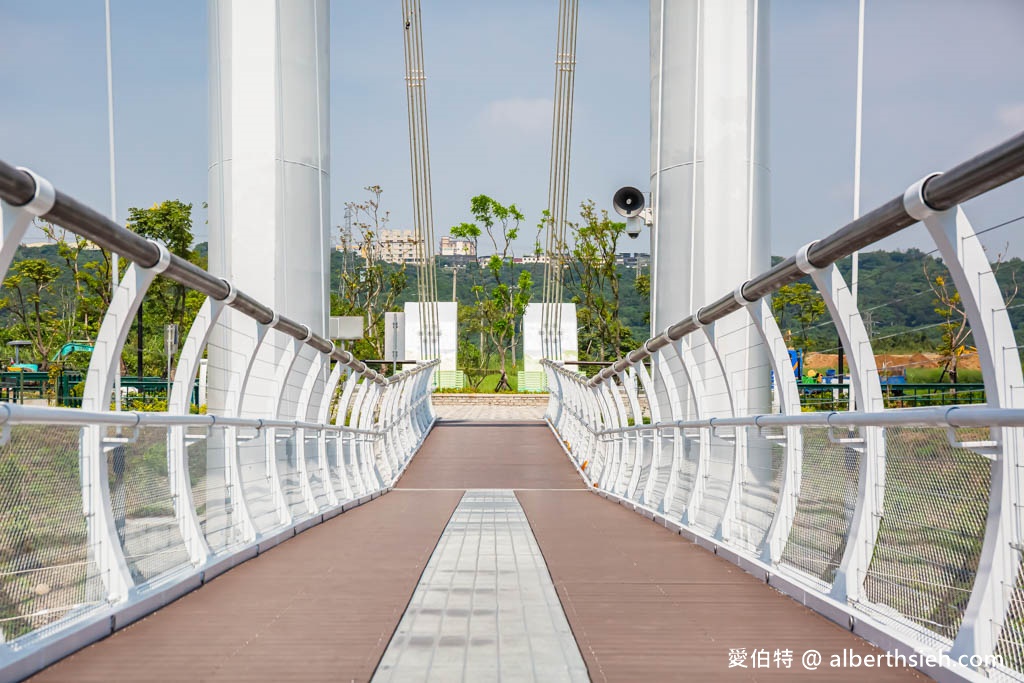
(627, 379)
(654, 405)
(789, 403)
(177, 452)
(1000, 561)
(867, 514)
(101, 527)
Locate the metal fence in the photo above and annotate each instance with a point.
(902, 523)
(106, 515)
(65, 388)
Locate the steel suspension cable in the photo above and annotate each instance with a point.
(558, 177)
(428, 201)
(410, 114)
(419, 154)
(569, 68)
(549, 223)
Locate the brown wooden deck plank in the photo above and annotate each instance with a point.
(645, 604)
(320, 607)
(479, 455)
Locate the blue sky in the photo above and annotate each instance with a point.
(943, 81)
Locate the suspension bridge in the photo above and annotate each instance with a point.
(674, 516)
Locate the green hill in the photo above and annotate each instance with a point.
(896, 300)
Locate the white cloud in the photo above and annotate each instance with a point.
(518, 115)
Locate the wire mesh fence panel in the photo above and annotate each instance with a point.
(254, 474)
(643, 466)
(291, 405)
(930, 536)
(288, 472)
(747, 364)
(311, 454)
(811, 335)
(265, 390)
(47, 570)
(828, 496)
(336, 466)
(1002, 244)
(759, 488)
(611, 454)
(231, 339)
(717, 480)
(351, 448)
(1009, 634)
(316, 395)
(143, 507)
(212, 490)
(713, 392)
(661, 469)
(376, 469)
(627, 446)
(687, 455)
(590, 460)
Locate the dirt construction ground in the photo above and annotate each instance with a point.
(895, 361)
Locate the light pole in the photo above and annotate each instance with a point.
(114, 266)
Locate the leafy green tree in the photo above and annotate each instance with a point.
(801, 304)
(594, 281)
(26, 284)
(166, 302)
(471, 363)
(170, 223)
(369, 287)
(501, 298)
(955, 326)
(89, 268)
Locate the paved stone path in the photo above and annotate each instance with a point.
(484, 412)
(485, 608)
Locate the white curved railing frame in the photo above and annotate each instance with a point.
(588, 417)
(359, 453)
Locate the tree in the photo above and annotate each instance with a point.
(166, 302)
(370, 288)
(38, 321)
(501, 299)
(594, 280)
(170, 223)
(798, 303)
(955, 326)
(90, 278)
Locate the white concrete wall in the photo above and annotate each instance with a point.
(533, 347)
(448, 323)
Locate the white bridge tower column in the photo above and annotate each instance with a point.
(269, 210)
(709, 168)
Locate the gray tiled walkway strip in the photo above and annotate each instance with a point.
(485, 608)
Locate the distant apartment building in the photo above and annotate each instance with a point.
(535, 258)
(457, 249)
(633, 260)
(395, 246)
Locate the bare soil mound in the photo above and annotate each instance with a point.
(893, 361)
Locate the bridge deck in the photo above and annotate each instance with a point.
(642, 603)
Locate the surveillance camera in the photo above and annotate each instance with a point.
(633, 226)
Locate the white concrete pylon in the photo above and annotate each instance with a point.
(709, 166)
(269, 166)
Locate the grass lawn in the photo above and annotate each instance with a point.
(490, 382)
